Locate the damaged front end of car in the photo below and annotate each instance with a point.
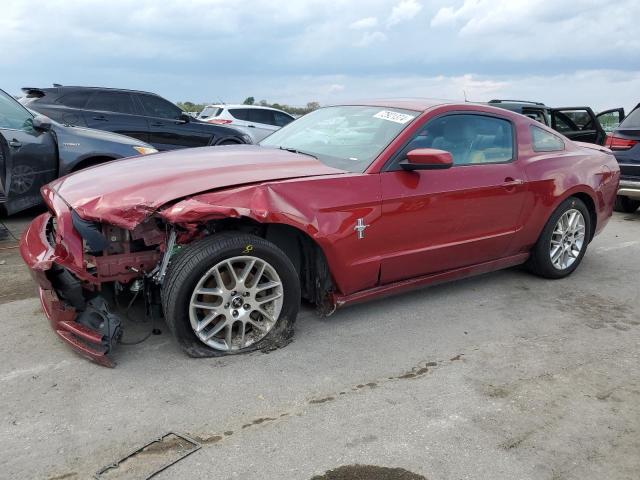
(82, 267)
(87, 270)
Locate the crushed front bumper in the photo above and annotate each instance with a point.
(41, 256)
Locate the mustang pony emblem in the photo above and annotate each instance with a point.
(360, 226)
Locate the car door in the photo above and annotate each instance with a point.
(28, 157)
(169, 128)
(116, 112)
(438, 220)
(578, 123)
(610, 119)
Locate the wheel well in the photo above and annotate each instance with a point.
(591, 206)
(90, 162)
(305, 254)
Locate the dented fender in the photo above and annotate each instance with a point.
(326, 209)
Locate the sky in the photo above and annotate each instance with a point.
(563, 53)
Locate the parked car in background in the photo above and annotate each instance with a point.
(226, 241)
(142, 115)
(577, 123)
(35, 150)
(624, 141)
(254, 120)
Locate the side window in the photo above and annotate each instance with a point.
(261, 115)
(282, 119)
(543, 141)
(118, 102)
(155, 106)
(580, 118)
(610, 121)
(470, 139)
(240, 113)
(563, 124)
(13, 115)
(573, 121)
(74, 100)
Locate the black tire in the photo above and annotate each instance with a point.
(625, 204)
(540, 261)
(193, 261)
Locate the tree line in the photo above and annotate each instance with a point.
(198, 107)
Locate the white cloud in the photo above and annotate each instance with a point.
(553, 51)
(364, 23)
(403, 11)
(369, 38)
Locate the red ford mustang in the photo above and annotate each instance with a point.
(347, 203)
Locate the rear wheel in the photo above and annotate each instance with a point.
(563, 241)
(626, 204)
(231, 293)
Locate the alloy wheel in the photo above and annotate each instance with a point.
(567, 239)
(236, 303)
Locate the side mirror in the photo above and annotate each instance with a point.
(427, 159)
(41, 123)
(185, 117)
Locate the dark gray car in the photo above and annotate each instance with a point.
(35, 150)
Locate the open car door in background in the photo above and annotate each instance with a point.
(610, 119)
(578, 123)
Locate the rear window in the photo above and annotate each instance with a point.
(74, 100)
(632, 121)
(544, 141)
(210, 112)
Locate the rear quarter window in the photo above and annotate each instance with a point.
(543, 141)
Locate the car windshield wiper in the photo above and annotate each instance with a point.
(293, 150)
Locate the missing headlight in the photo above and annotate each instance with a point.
(90, 232)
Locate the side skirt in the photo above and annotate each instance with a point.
(427, 280)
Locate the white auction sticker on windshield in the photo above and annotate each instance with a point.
(394, 116)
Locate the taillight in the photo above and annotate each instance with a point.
(617, 143)
(219, 121)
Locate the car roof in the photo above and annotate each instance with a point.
(61, 88)
(516, 105)
(241, 105)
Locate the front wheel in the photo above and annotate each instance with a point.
(625, 204)
(563, 242)
(231, 293)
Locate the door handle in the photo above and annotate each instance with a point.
(102, 118)
(510, 182)
(15, 143)
(157, 124)
(251, 126)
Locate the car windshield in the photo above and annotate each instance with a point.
(12, 113)
(208, 112)
(344, 137)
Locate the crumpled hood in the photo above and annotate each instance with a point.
(124, 192)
